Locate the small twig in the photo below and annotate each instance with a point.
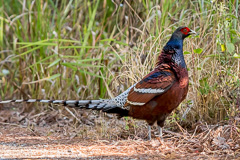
(18, 125)
(73, 114)
(37, 115)
(13, 124)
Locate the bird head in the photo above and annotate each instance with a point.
(183, 32)
(173, 50)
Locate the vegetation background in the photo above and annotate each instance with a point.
(91, 49)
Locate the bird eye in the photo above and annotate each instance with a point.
(185, 30)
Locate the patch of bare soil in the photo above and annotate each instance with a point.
(53, 134)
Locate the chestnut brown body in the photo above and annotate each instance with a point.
(159, 106)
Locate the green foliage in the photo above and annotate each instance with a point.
(198, 50)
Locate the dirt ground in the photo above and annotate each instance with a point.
(51, 135)
(21, 142)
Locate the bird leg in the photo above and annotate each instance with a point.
(149, 132)
(160, 137)
(160, 132)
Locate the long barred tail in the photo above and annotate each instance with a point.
(105, 105)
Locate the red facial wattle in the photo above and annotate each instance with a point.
(185, 30)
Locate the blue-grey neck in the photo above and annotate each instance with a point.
(176, 42)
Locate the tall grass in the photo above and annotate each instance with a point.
(82, 49)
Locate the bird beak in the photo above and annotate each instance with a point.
(192, 32)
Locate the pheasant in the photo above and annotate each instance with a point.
(154, 97)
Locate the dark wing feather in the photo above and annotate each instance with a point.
(155, 83)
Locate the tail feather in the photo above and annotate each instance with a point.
(105, 105)
(63, 102)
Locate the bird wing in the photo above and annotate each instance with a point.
(155, 83)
